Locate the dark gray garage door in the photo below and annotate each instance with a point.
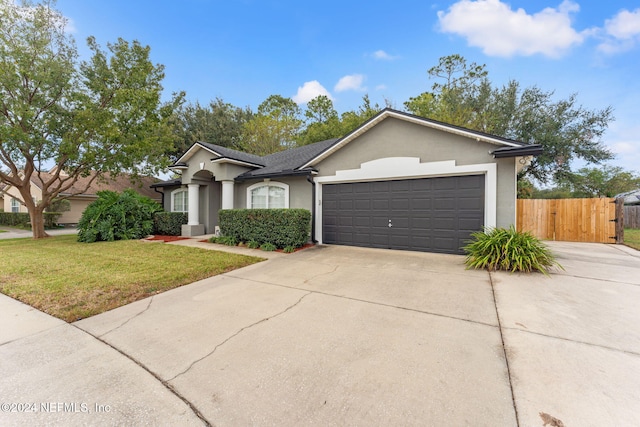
(427, 214)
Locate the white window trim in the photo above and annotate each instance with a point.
(173, 193)
(15, 203)
(392, 168)
(282, 185)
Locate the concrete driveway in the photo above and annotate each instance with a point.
(346, 336)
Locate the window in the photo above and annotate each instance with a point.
(15, 205)
(180, 201)
(268, 195)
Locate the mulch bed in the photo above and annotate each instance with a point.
(165, 238)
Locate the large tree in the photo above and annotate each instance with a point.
(605, 181)
(274, 128)
(322, 121)
(219, 123)
(62, 119)
(463, 95)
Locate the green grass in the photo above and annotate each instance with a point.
(632, 237)
(72, 280)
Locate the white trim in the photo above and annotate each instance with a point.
(15, 203)
(193, 217)
(171, 195)
(235, 162)
(196, 145)
(227, 194)
(270, 184)
(416, 120)
(395, 168)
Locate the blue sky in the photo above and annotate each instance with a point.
(245, 50)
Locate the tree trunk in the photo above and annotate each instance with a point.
(37, 222)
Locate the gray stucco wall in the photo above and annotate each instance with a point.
(398, 138)
(299, 192)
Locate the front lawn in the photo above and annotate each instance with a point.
(72, 280)
(632, 237)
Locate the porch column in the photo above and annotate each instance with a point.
(227, 194)
(194, 204)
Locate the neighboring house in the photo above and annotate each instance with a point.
(398, 181)
(630, 197)
(79, 202)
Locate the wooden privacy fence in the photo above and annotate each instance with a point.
(632, 216)
(571, 220)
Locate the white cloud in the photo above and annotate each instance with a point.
(58, 19)
(308, 91)
(500, 31)
(622, 32)
(381, 87)
(624, 147)
(350, 82)
(383, 56)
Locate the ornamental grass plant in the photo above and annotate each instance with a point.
(510, 250)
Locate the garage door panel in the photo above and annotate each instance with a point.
(362, 205)
(427, 214)
(420, 204)
(470, 224)
(380, 204)
(401, 204)
(444, 224)
(380, 187)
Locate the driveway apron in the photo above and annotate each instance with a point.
(327, 336)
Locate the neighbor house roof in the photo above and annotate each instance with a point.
(106, 182)
(630, 197)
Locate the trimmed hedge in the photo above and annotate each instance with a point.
(279, 227)
(169, 223)
(22, 219)
(10, 218)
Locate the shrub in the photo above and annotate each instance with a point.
(213, 239)
(289, 249)
(508, 249)
(252, 244)
(51, 219)
(22, 219)
(117, 216)
(279, 227)
(59, 205)
(15, 219)
(169, 223)
(269, 247)
(227, 240)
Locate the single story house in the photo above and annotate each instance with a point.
(630, 197)
(78, 202)
(398, 181)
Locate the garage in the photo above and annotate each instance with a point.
(425, 214)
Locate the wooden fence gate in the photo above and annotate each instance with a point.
(572, 220)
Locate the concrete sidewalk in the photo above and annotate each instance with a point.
(53, 373)
(16, 233)
(338, 335)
